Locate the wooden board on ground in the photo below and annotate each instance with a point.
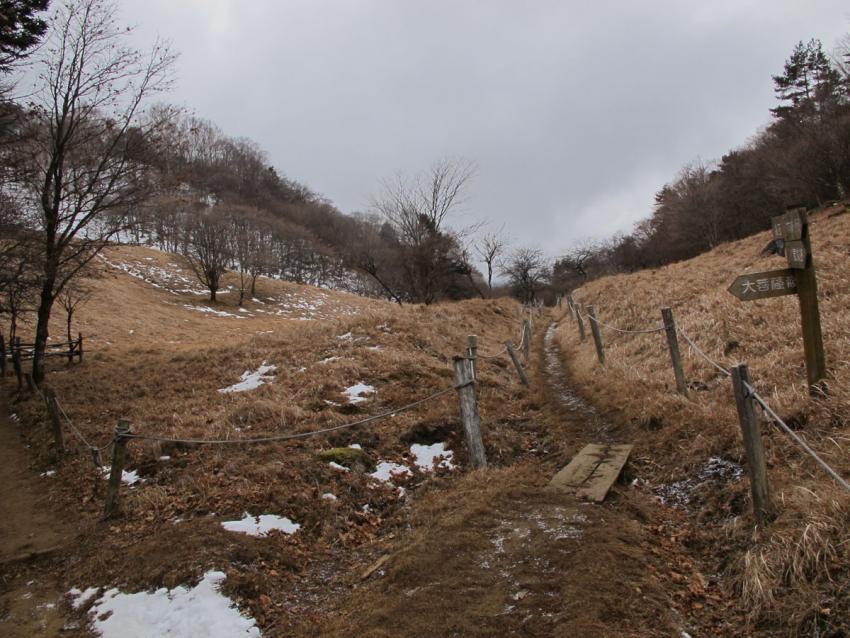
(592, 471)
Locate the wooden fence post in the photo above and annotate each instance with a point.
(597, 334)
(558, 299)
(465, 383)
(2, 355)
(570, 303)
(522, 376)
(526, 339)
(580, 321)
(472, 352)
(16, 362)
(762, 504)
(673, 345)
(80, 347)
(55, 423)
(119, 450)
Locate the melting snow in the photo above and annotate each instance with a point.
(355, 393)
(261, 525)
(715, 471)
(176, 613)
(212, 311)
(337, 466)
(426, 455)
(252, 380)
(80, 598)
(387, 470)
(329, 497)
(48, 473)
(129, 477)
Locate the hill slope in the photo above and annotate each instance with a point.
(790, 576)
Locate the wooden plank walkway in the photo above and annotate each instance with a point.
(592, 472)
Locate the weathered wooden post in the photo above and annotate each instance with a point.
(580, 322)
(791, 238)
(465, 384)
(526, 339)
(673, 345)
(80, 347)
(472, 353)
(558, 299)
(119, 450)
(762, 504)
(519, 369)
(597, 334)
(570, 303)
(2, 355)
(55, 423)
(16, 363)
(807, 292)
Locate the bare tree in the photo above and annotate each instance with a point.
(73, 296)
(490, 248)
(209, 248)
(85, 166)
(527, 272)
(417, 209)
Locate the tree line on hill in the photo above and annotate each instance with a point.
(89, 158)
(801, 158)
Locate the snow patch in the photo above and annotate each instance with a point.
(261, 525)
(252, 380)
(386, 471)
(130, 477)
(212, 311)
(176, 613)
(425, 456)
(355, 393)
(80, 598)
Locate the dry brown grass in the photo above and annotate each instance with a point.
(160, 364)
(785, 578)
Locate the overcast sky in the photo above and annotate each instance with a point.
(575, 113)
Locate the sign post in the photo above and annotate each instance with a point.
(791, 232)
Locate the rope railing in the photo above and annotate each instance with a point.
(622, 331)
(464, 375)
(702, 354)
(674, 329)
(602, 324)
(784, 426)
(298, 435)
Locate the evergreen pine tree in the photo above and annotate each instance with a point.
(808, 85)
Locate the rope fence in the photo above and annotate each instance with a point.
(464, 384)
(746, 399)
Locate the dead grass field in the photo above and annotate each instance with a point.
(154, 358)
(473, 554)
(792, 577)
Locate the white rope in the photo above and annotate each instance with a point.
(694, 347)
(778, 421)
(628, 332)
(289, 437)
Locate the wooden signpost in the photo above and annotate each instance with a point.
(791, 233)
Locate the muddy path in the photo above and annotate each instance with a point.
(503, 555)
(33, 534)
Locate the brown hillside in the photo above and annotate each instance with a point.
(791, 577)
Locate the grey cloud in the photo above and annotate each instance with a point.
(575, 112)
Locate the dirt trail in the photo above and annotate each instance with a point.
(506, 556)
(29, 526)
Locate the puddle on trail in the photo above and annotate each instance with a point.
(563, 391)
